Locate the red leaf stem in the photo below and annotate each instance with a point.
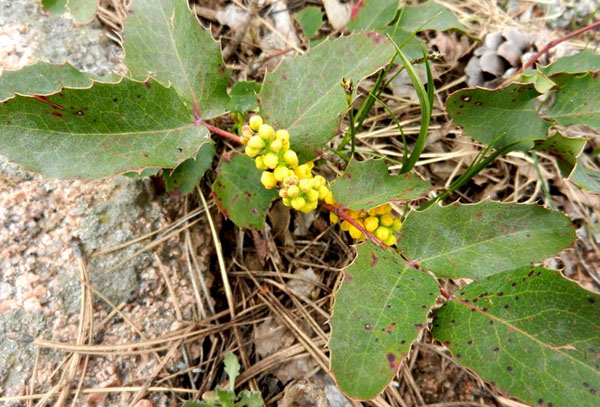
(342, 214)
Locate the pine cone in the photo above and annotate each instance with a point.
(499, 58)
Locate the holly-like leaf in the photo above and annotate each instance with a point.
(45, 79)
(531, 332)
(82, 10)
(163, 40)
(479, 240)
(379, 311)
(430, 16)
(310, 19)
(367, 184)
(304, 95)
(240, 195)
(186, 176)
(577, 100)
(99, 132)
(372, 14)
(243, 96)
(565, 149)
(584, 61)
(585, 176)
(55, 7)
(486, 114)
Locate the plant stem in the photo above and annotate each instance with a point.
(554, 43)
(342, 214)
(218, 131)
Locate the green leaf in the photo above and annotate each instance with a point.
(531, 332)
(148, 172)
(45, 79)
(577, 100)
(586, 177)
(486, 114)
(310, 19)
(163, 40)
(232, 368)
(479, 240)
(82, 10)
(99, 132)
(243, 96)
(55, 7)
(239, 194)
(186, 176)
(250, 399)
(541, 82)
(304, 95)
(371, 14)
(367, 184)
(584, 61)
(430, 16)
(379, 311)
(565, 150)
(412, 48)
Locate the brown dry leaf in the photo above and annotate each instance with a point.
(304, 393)
(338, 14)
(450, 46)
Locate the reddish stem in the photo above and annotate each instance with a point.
(554, 43)
(342, 214)
(218, 131)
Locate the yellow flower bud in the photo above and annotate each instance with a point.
(319, 181)
(324, 192)
(382, 233)
(298, 202)
(305, 184)
(293, 191)
(282, 135)
(251, 152)
(310, 165)
(302, 171)
(266, 132)
(354, 232)
(290, 180)
(275, 146)
(287, 201)
(329, 199)
(373, 211)
(333, 218)
(352, 213)
(397, 225)
(268, 179)
(312, 195)
(291, 158)
(307, 208)
(387, 208)
(387, 220)
(271, 160)
(371, 223)
(259, 162)
(280, 173)
(286, 145)
(256, 143)
(345, 226)
(390, 241)
(255, 122)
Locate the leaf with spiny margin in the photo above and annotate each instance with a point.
(45, 79)
(379, 310)
(531, 332)
(367, 184)
(584, 61)
(586, 177)
(486, 238)
(304, 95)
(55, 7)
(486, 114)
(566, 150)
(577, 100)
(186, 176)
(239, 193)
(310, 19)
(99, 132)
(163, 40)
(243, 96)
(430, 16)
(82, 10)
(372, 14)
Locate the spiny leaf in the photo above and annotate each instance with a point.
(532, 333)
(239, 193)
(243, 96)
(584, 61)
(433, 15)
(310, 19)
(82, 10)
(586, 177)
(565, 149)
(45, 79)
(577, 100)
(186, 176)
(486, 114)
(372, 14)
(164, 40)
(479, 240)
(367, 184)
(99, 132)
(379, 311)
(304, 95)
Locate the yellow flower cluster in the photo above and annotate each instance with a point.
(271, 151)
(378, 221)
